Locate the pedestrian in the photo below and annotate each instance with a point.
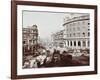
(33, 63)
(26, 64)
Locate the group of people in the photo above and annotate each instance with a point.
(37, 60)
(45, 58)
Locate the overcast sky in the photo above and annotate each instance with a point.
(47, 22)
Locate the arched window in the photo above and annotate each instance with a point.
(71, 43)
(84, 43)
(74, 43)
(79, 43)
(68, 43)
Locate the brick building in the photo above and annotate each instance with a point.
(30, 39)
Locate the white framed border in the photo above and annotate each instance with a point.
(21, 71)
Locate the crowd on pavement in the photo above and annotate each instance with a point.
(38, 59)
(49, 58)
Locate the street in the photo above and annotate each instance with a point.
(76, 61)
(55, 59)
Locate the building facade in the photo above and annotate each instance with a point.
(58, 39)
(77, 32)
(30, 39)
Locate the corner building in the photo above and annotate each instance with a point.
(30, 38)
(77, 32)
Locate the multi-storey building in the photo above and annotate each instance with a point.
(30, 38)
(58, 39)
(77, 32)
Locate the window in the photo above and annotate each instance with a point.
(73, 34)
(67, 29)
(83, 34)
(73, 29)
(71, 43)
(88, 43)
(68, 43)
(79, 43)
(24, 42)
(61, 45)
(78, 34)
(70, 35)
(88, 29)
(30, 40)
(74, 43)
(88, 34)
(84, 43)
(88, 23)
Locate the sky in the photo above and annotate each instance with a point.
(47, 22)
